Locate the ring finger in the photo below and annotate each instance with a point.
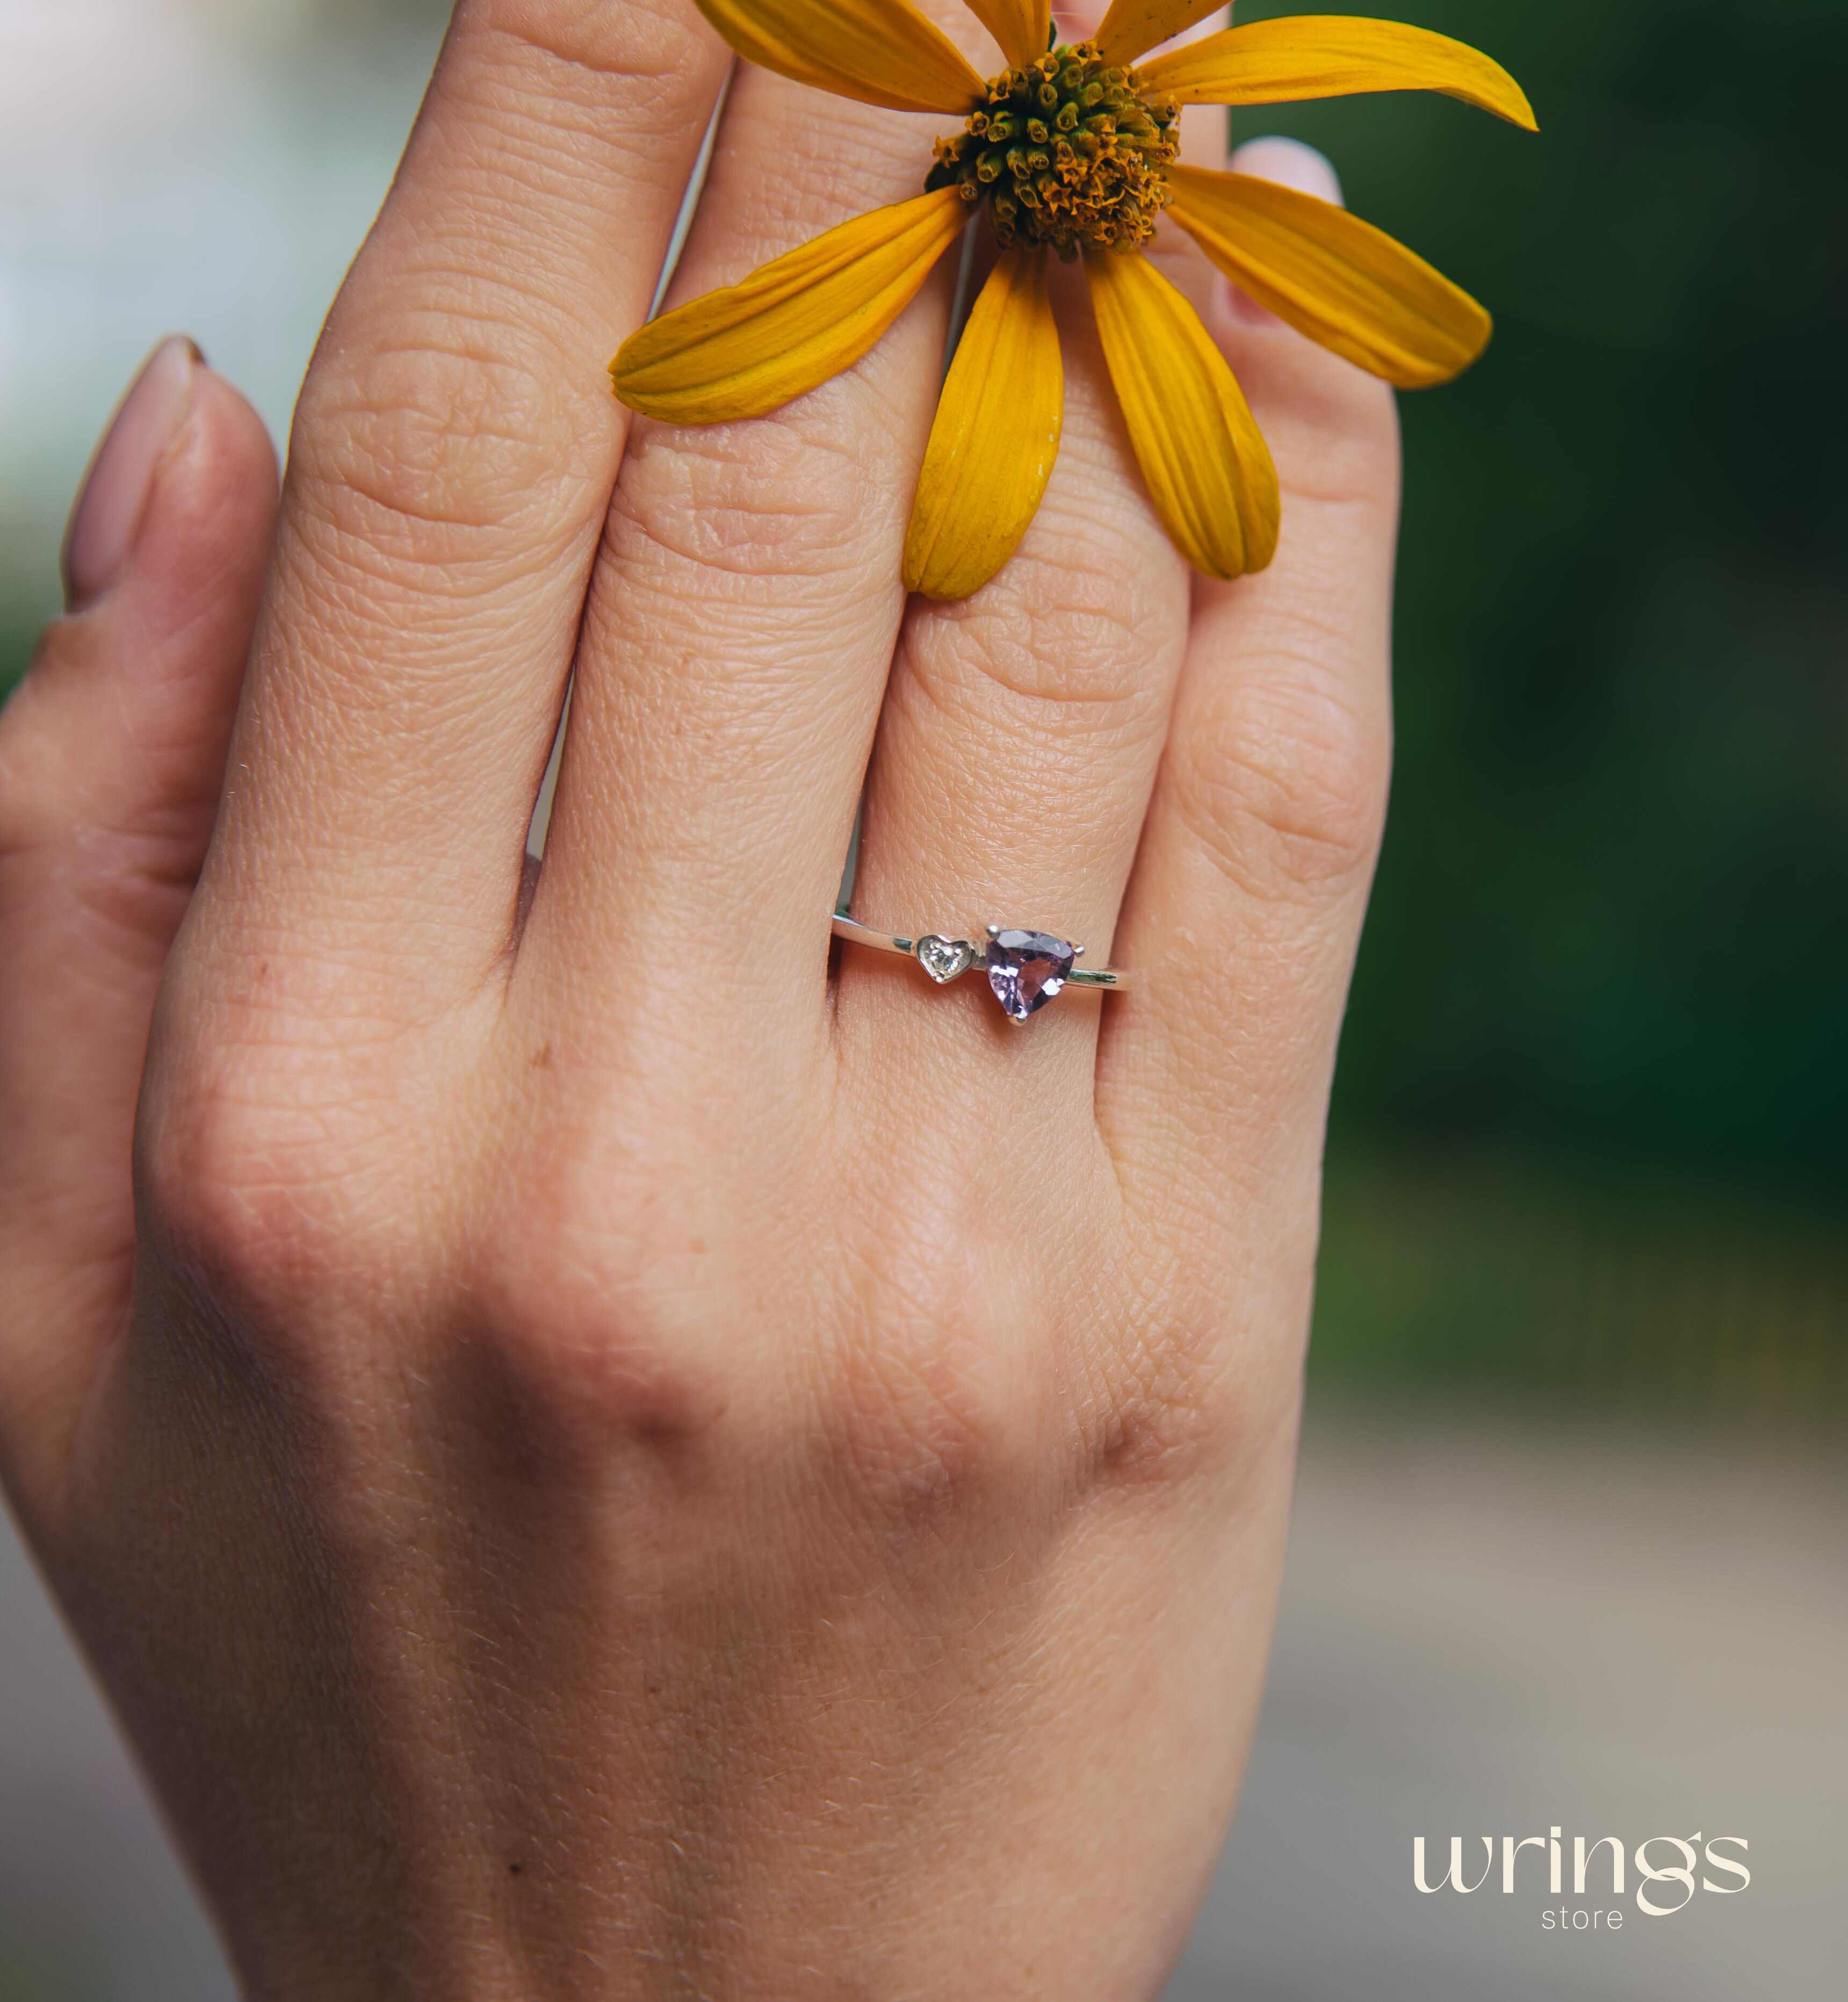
(1020, 740)
(1023, 726)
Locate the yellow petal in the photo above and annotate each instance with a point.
(1340, 281)
(1021, 27)
(1331, 55)
(1132, 25)
(879, 51)
(1208, 468)
(995, 437)
(791, 324)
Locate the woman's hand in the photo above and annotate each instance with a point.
(595, 1455)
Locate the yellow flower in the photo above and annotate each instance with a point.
(1072, 149)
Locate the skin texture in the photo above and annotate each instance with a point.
(598, 1455)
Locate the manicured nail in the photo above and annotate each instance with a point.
(1291, 164)
(1080, 19)
(114, 495)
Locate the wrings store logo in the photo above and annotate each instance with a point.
(1663, 1886)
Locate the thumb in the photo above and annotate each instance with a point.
(112, 753)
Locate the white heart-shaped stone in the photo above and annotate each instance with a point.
(944, 959)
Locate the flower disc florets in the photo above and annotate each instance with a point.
(1066, 152)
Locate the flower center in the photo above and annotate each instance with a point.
(1064, 152)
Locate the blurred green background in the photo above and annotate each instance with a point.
(1588, 1129)
(1591, 1119)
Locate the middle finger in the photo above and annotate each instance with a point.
(740, 625)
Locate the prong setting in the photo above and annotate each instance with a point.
(1027, 969)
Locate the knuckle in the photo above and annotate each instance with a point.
(1164, 1419)
(1283, 782)
(452, 451)
(1078, 634)
(784, 496)
(1152, 1439)
(645, 40)
(1066, 630)
(244, 1195)
(287, 1170)
(1185, 1393)
(599, 1292)
(584, 1334)
(924, 1429)
(929, 1407)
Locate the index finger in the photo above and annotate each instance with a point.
(454, 453)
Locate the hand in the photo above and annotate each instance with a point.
(595, 1455)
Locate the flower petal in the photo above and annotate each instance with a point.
(1331, 55)
(994, 436)
(793, 323)
(879, 51)
(1132, 25)
(1333, 277)
(1021, 27)
(1208, 468)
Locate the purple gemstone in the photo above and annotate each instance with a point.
(1026, 969)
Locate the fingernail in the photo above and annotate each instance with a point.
(114, 495)
(1080, 19)
(1290, 163)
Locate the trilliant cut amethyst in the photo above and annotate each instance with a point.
(1026, 969)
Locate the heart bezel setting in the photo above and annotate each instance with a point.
(944, 959)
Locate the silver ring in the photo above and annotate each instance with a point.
(1025, 968)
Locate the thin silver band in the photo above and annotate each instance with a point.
(1116, 978)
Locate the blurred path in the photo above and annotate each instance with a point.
(1490, 1629)
(1487, 1630)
